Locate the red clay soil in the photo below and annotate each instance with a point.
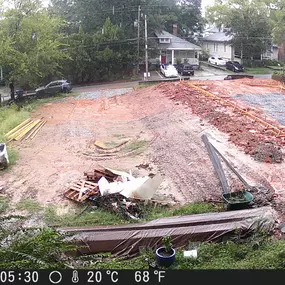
(56, 157)
(243, 132)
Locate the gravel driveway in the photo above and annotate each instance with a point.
(273, 104)
(107, 93)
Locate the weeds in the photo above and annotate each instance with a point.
(80, 218)
(227, 255)
(30, 205)
(119, 136)
(145, 85)
(135, 145)
(4, 204)
(189, 209)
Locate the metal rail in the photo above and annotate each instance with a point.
(217, 165)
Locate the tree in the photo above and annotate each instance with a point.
(31, 43)
(247, 22)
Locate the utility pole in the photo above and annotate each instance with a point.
(139, 14)
(146, 55)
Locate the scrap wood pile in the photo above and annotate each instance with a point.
(26, 130)
(116, 191)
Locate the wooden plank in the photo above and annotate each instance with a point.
(18, 127)
(15, 134)
(34, 129)
(34, 134)
(24, 132)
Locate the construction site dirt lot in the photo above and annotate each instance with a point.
(162, 126)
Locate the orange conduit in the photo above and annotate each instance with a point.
(245, 112)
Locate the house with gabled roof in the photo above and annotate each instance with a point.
(217, 43)
(171, 47)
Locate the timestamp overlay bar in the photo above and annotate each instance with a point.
(131, 277)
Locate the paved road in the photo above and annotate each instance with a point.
(208, 73)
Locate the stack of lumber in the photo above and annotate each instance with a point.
(27, 129)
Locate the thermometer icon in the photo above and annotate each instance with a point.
(75, 278)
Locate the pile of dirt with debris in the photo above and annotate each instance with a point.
(242, 131)
(268, 152)
(262, 196)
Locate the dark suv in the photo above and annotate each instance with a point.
(185, 69)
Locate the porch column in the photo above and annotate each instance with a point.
(172, 56)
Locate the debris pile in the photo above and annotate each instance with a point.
(26, 130)
(115, 191)
(268, 152)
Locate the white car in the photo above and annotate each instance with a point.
(168, 70)
(217, 60)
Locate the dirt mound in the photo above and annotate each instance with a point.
(268, 152)
(242, 131)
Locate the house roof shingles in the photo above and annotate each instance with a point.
(176, 43)
(217, 37)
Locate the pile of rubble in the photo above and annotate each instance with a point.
(242, 131)
(116, 191)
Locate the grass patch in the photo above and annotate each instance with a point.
(4, 204)
(145, 85)
(251, 253)
(188, 209)
(275, 67)
(119, 136)
(257, 70)
(12, 116)
(86, 216)
(135, 145)
(30, 205)
(111, 144)
(82, 216)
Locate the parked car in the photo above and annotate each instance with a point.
(234, 66)
(54, 87)
(185, 69)
(217, 60)
(168, 70)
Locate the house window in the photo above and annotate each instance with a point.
(225, 48)
(164, 40)
(215, 47)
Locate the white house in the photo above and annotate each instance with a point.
(172, 47)
(216, 42)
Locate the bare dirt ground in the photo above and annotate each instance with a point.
(165, 123)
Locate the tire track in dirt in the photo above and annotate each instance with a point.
(181, 156)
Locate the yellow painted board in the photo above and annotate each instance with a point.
(18, 127)
(34, 129)
(25, 131)
(15, 134)
(34, 134)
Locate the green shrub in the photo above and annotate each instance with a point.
(272, 62)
